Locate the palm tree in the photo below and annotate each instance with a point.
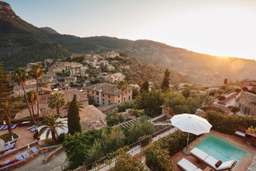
(7, 116)
(36, 72)
(6, 90)
(52, 123)
(20, 76)
(32, 98)
(56, 100)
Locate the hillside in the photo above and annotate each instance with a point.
(21, 43)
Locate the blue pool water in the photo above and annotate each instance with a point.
(221, 149)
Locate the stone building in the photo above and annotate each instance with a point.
(247, 102)
(107, 94)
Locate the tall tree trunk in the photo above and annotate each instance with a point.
(8, 120)
(54, 138)
(37, 99)
(32, 109)
(58, 110)
(28, 105)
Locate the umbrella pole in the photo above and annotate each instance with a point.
(187, 143)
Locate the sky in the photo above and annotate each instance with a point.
(217, 27)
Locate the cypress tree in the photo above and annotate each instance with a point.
(165, 83)
(73, 117)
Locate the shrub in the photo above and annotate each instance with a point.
(8, 137)
(140, 128)
(175, 142)
(125, 162)
(114, 119)
(127, 105)
(157, 159)
(230, 123)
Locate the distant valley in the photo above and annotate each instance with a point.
(21, 43)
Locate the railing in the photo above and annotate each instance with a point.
(133, 149)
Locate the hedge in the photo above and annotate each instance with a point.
(230, 123)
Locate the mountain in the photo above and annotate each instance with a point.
(21, 43)
(49, 30)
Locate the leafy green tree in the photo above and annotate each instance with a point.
(51, 124)
(6, 91)
(37, 72)
(125, 162)
(113, 139)
(140, 128)
(56, 100)
(73, 117)
(166, 79)
(21, 76)
(32, 98)
(114, 119)
(157, 159)
(181, 104)
(151, 102)
(83, 148)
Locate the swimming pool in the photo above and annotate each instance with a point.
(221, 149)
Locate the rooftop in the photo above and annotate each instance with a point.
(106, 88)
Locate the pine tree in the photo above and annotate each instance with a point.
(5, 98)
(73, 117)
(165, 83)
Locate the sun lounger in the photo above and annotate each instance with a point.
(34, 150)
(187, 165)
(211, 161)
(20, 157)
(13, 126)
(25, 155)
(9, 146)
(4, 127)
(240, 134)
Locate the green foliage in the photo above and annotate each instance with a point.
(112, 139)
(77, 148)
(174, 142)
(125, 162)
(126, 105)
(157, 159)
(51, 124)
(151, 102)
(8, 137)
(140, 128)
(165, 83)
(230, 123)
(56, 100)
(181, 104)
(91, 146)
(114, 119)
(73, 117)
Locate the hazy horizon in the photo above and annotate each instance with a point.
(220, 28)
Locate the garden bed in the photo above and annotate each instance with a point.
(9, 137)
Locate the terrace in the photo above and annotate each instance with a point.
(242, 165)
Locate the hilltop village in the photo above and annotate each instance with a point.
(97, 92)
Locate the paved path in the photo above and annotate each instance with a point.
(55, 164)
